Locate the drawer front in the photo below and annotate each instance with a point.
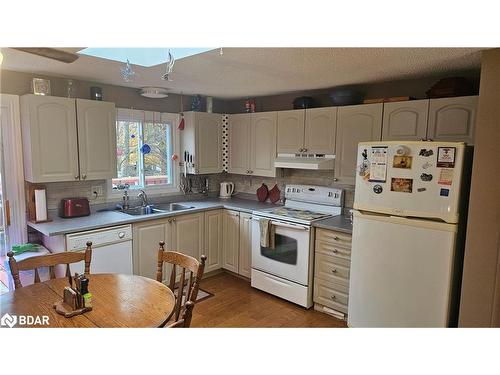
(331, 295)
(333, 237)
(333, 250)
(331, 269)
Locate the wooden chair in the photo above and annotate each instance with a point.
(183, 262)
(185, 320)
(50, 261)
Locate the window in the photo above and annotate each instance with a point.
(145, 143)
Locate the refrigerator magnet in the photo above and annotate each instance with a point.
(445, 177)
(403, 162)
(402, 185)
(446, 157)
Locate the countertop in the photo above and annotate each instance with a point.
(341, 223)
(101, 219)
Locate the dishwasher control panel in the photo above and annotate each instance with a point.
(98, 237)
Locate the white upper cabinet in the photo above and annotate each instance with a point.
(202, 138)
(357, 123)
(320, 130)
(49, 138)
(291, 131)
(238, 143)
(68, 139)
(263, 144)
(406, 121)
(452, 119)
(96, 122)
(252, 143)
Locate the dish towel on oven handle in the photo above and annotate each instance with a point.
(267, 231)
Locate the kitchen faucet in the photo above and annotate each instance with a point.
(143, 196)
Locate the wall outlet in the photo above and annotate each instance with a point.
(96, 191)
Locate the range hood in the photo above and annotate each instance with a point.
(305, 161)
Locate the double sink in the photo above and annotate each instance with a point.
(155, 209)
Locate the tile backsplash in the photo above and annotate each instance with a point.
(243, 184)
(250, 184)
(72, 189)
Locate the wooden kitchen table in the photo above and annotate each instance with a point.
(117, 301)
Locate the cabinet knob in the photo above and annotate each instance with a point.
(335, 251)
(77, 177)
(305, 149)
(335, 179)
(334, 270)
(334, 297)
(336, 238)
(84, 176)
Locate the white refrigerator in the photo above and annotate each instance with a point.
(406, 259)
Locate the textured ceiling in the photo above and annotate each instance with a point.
(242, 72)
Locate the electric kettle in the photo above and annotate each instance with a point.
(226, 189)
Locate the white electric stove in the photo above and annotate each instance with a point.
(286, 269)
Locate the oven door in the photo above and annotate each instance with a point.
(289, 258)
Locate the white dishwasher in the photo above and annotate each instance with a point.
(111, 249)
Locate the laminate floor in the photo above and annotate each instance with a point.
(236, 304)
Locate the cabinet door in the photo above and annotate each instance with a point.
(213, 240)
(96, 139)
(263, 144)
(291, 131)
(146, 238)
(231, 235)
(208, 143)
(452, 119)
(406, 121)
(187, 234)
(320, 130)
(245, 251)
(49, 138)
(355, 124)
(238, 136)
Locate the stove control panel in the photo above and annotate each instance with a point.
(315, 194)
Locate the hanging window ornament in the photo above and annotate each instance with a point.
(169, 68)
(127, 72)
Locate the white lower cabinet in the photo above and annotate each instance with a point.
(145, 239)
(332, 263)
(245, 250)
(213, 240)
(237, 242)
(223, 236)
(231, 242)
(183, 233)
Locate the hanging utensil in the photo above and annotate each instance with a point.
(181, 123)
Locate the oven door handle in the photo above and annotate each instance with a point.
(290, 226)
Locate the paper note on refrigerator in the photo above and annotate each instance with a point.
(378, 164)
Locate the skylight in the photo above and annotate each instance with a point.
(142, 56)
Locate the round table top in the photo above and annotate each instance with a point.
(118, 300)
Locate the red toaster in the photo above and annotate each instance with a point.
(74, 207)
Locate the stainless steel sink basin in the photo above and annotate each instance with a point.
(173, 207)
(142, 211)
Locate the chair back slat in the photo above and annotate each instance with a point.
(37, 276)
(68, 270)
(180, 290)
(52, 272)
(185, 263)
(173, 277)
(190, 286)
(50, 261)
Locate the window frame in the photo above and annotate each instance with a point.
(123, 114)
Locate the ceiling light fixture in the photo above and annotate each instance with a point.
(169, 68)
(154, 92)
